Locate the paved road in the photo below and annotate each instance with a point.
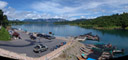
(26, 45)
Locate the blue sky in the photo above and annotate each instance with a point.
(67, 9)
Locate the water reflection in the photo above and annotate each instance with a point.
(121, 33)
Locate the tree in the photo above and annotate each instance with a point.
(3, 19)
(113, 21)
(124, 20)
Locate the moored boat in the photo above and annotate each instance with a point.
(81, 38)
(121, 51)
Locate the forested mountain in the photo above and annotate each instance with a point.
(113, 21)
(16, 22)
(44, 20)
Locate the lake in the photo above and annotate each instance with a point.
(118, 38)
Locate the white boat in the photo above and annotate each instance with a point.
(81, 38)
(118, 51)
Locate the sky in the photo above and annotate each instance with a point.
(65, 9)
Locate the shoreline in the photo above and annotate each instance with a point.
(100, 28)
(103, 28)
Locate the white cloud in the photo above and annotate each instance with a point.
(3, 4)
(56, 8)
(52, 7)
(14, 14)
(64, 9)
(82, 17)
(116, 3)
(72, 18)
(91, 17)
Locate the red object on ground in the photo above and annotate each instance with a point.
(16, 34)
(62, 44)
(50, 32)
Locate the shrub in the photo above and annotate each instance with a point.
(4, 35)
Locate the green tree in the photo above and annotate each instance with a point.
(3, 19)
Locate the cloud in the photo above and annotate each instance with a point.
(72, 10)
(77, 8)
(82, 17)
(52, 7)
(57, 8)
(116, 3)
(67, 9)
(14, 14)
(3, 4)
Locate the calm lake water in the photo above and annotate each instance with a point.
(118, 38)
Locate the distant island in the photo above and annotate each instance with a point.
(115, 21)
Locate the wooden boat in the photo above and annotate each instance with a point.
(105, 55)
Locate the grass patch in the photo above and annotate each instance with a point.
(4, 35)
(126, 28)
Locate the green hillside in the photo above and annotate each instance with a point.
(115, 21)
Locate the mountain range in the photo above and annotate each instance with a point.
(45, 20)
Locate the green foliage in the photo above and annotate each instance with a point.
(106, 22)
(4, 35)
(3, 19)
(16, 22)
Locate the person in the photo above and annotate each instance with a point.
(114, 47)
(20, 38)
(25, 31)
(11, 32)
(109, 45)
(122, 50)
